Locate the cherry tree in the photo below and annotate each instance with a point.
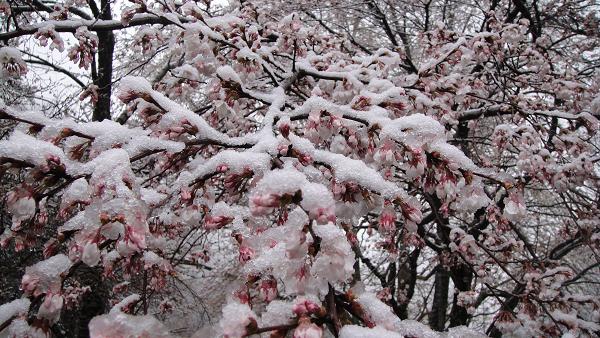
(376, 171)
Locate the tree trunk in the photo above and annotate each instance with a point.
(462, 277)
(437, 316)
(106, 46)
(407, 278)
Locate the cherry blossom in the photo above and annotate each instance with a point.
(307, 168)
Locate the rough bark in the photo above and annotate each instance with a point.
(407, 278)
(106, 46)
(462, 277)
(437, 316)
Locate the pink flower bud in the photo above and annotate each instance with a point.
(305, 307)
(222, 168)
(246, 254)
(410, 212)
(186, 195)
(216, 222)
(324, 215)
(284, 129)
(307, 329)
(29, 283)
(268, 289)
(261, 204)
(51, 307)
(387, 220)
(91, 254)
(135, 238)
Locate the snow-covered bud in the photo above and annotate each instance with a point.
(323, 215)
(387, 220)
(216, 222)
(246, 254)
(51, 307)
(305, 307)
(262, 204)
(186, 195)
(91, 254)
(29, 283)
(221, 168)
(268, 289)
(11, 63)
(514, 209)
(284, 127)
(21, 204)
(307, 329)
